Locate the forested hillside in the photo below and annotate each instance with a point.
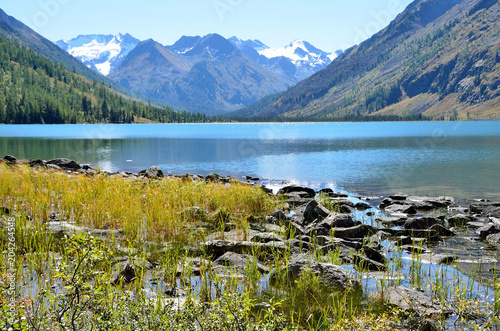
(35, 90)
(439, 59)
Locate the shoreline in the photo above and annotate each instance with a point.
(348, 243)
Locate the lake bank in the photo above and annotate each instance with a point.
(458, 159)
(402, 250)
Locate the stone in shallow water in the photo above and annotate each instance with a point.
(329, 274)
(411, 300)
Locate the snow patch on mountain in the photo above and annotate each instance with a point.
(300, 52)
(100, 52)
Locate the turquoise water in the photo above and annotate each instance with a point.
(461, 159)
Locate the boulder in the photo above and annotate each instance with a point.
(359, 231)
(64, 163)
(152, 172)
(493, 239)
(362, 206)
(412, 300)
(364, 263)
(442, 231)
(37, 163)
(232, 262)
(125, 273)
(220, 247)
(459, 220)
(334, 221)
(407, 209)
(293, 188)
(314, 212)
(374, 254)
(329, 275)
(485, 231)
(216, 178)
(10, 159)
(485, 208)
(421, 223)
(433, 202)
(266, 237)
(64, 228)
(398, 197)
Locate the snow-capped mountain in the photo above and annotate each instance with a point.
(100, 52)
(297, 61)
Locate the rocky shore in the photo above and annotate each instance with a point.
(410, 223)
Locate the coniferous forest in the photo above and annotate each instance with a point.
(34, 90)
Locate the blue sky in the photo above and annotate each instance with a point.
(327, 24)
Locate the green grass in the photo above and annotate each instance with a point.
(64, 283)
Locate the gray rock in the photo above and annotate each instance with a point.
(485, 208)
(362, 206)
(374, 254)
(314, 212)
(10, 159)
(459, 220)
(359, 231)
(493, 239)
(364, 263)
(266, 237)
(292, 188)
(125, 273)
(37, 163)
(421, 223)
(64, 163)
(398, 196)
(220, 247)
(442, 231)
(408, 209)
(53, 167)
(476, 224)
(488, 229)
(279, 215)
(297, 198)
(407, 240)
(434, 202)
(412, 300)
(297, 246)
(334, 221)
(438, 258)
(329, 274)
(217, 178)
(64, 228)
(152, 172)
(392, 221)
(414, 249)
(232, 262)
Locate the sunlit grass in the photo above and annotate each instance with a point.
(134, 206)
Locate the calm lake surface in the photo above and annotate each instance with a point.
(460, 159)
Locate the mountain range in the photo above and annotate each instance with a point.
(439, 59)
(209, 74)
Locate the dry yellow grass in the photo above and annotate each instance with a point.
(103, 202)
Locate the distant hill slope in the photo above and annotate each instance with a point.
(34, 90)
(200, 74)
(439, 59)
(13, 29)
